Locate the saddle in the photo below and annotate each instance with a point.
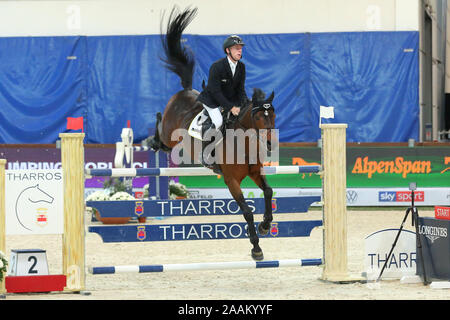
(201, 120)
(200, 124)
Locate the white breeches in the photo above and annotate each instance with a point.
(215, 115)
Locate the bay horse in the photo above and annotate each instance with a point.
(183, 106)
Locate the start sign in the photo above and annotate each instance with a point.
(442, 213)
(34, 201)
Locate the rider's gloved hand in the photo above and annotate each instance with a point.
(235, 110)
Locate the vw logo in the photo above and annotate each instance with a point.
(352, 196)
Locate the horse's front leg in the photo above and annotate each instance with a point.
(237, 194)
(261, 182)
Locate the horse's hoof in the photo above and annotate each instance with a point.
(261, 229)
(257, 255)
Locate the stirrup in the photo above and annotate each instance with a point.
(207, 165)
(214, 167)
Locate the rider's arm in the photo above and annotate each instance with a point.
(242, 94)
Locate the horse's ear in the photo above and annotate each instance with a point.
(203, 84)
(258, 95)
(254, 96)
(270, 99)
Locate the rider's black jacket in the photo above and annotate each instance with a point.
(224, 90)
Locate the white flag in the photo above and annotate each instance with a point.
(326, 112)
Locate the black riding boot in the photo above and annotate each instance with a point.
(205, 157)
(208, 160)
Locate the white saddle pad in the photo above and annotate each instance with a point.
(195, 128)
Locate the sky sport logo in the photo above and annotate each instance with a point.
(400, 196)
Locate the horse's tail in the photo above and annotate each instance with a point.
(178, 58)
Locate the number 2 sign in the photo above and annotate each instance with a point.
(28, 262)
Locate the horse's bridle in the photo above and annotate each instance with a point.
(259, 107)
(262, 107)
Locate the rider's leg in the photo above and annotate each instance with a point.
(216, 119)
(215, 115)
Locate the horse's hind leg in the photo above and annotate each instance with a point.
(154, 142)
(261, 182)
(236, 192)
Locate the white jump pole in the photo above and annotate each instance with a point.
(206, 266)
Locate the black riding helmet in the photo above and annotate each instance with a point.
(231, 41)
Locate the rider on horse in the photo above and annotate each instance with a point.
(226, 87)
(225, 90)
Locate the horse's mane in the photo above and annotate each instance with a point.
(258, 95)
(178, 59)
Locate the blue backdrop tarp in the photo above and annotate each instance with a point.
(42, 82)
(371, 78)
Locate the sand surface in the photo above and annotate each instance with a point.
(255, 284)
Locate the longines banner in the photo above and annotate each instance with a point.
(375, 175)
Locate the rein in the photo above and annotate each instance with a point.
(252, 111)
(241, 116)
(264, 107)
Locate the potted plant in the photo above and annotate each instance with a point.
(114, 189)
(177, 190)
(3, 265)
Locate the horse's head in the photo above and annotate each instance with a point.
(36, 194)
(263, 114)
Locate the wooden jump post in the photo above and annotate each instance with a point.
(334, 198)
(72, 161)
